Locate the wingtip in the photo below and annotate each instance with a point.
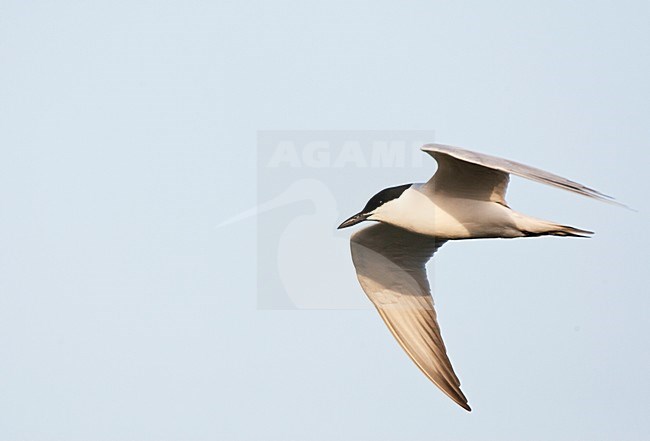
(634, 210)
(610, 200)
(460, 400)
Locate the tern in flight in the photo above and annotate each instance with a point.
(465, 199)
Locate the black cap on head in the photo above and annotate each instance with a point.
(387, 194)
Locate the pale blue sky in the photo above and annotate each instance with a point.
(128, 131)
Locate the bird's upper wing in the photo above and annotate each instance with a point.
(390, 265)
(474, 175)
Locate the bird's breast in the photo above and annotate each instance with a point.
(454, 218)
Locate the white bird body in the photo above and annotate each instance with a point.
(465, 199)
(447, 217)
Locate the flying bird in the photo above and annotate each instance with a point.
(465, 199)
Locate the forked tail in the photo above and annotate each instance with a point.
(532, 227)
(566, 230)
(560, 230)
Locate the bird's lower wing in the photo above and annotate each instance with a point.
(390, 264)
